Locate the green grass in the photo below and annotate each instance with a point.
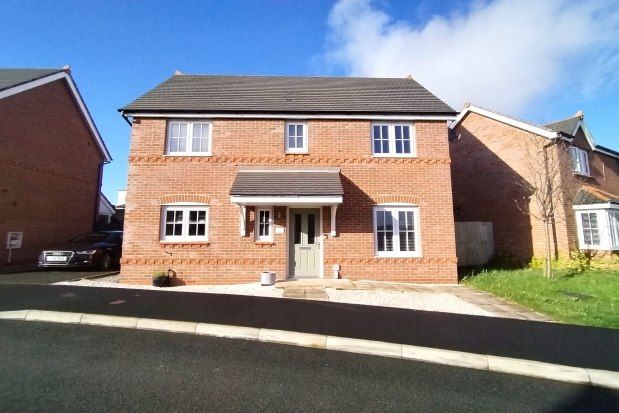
(548, 296)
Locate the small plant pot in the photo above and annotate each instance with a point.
(267, 278)
(161, 282)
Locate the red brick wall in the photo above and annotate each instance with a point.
(49, 170)
(488, 159)
(231, 258)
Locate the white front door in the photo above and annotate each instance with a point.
(304, 243)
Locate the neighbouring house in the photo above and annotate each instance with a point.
(51, 162)
(106, 211)
(491, 157)
(305, 176)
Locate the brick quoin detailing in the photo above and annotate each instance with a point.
(227, 257)
(49, 170)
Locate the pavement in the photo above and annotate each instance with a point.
(69, 368)
(497, 307)
(50, 276)
(568, 345)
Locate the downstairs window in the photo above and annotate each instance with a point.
(396, 231)
(184, 223)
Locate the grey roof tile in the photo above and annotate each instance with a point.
(589, 196)
(286, 94)
(286, 183)
(14, 77)
(565, 126)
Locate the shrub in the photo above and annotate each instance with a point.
(160, 274)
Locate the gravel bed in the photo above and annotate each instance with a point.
(442, 302)
(426, 301)
(254, 289)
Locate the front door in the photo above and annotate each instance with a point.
(304, 243)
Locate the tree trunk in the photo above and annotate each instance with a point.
(548, 260)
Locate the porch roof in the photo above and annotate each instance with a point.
(287, 185)
(588, 195)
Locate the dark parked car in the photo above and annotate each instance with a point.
(94, 250)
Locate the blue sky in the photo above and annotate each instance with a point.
(118, 50)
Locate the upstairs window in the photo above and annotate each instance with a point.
(184, 223)
(392, 140)
(296, 137)
(264, 224)
(580, 160)
(189, 138)
(396, 231)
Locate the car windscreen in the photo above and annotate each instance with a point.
(92, 237)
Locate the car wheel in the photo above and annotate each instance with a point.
(106, 261)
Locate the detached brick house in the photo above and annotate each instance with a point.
(489, 150)
(233, 175)
(51, 162)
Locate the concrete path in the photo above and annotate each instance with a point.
(315, 290)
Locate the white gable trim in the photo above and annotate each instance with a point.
(590, 139)
(504, 119)
(78, 98)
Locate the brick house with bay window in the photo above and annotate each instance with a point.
(489, 155)
(233, 175)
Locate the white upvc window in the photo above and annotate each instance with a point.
(184, 223)
(188, 138)
(598, 228)
(296, 137)
(264, 224)
(393, 140)
(396, 231)
(580, 160)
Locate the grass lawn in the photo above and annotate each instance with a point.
(590, 298)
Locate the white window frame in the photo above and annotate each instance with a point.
(188, 146)
(305, 147)
(257, 236)
(394, 209)
(391, 138)
(580, 161)
(184, 237)
(608, 227)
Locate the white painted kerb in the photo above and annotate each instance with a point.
(602, 378)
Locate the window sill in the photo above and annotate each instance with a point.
(378, 155)
(186, 155)
(398, 256)
(296, 153)
(264, 243)
(187, 243)
(584, 175)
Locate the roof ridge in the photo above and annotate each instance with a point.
(576, 115)
(296, 76)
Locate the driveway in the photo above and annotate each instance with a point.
(49, 276)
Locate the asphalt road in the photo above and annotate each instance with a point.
(549, 342)
(66, 368)
(48, 276)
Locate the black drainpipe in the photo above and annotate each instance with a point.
(98, 196)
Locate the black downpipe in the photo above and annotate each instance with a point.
(98, 197)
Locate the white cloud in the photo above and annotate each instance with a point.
(503, 54)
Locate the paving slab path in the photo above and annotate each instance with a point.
(497, 307)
